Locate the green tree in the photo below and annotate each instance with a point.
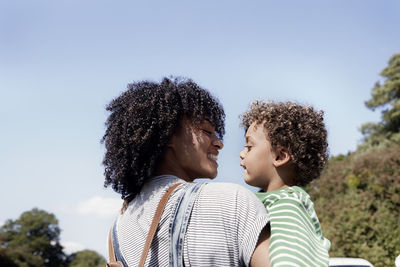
(385, 96)
(357, 199)
(5, 259)
(86, 258)
(33, 240)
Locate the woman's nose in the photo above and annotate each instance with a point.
(217, 142)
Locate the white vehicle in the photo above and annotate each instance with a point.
(349, 262)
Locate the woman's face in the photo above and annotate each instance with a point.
(194, 150)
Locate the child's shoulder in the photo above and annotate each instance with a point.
(293, 194)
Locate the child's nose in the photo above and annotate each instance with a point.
(242, 154)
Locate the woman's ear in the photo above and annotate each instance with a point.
(171, 142)
(282, 157)
(176, 140)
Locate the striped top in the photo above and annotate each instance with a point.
(296, 235)
(223, 228)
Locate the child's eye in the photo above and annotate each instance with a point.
(248, 147)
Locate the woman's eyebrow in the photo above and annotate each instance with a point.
(208, 120)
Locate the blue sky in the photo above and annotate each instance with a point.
(61, 62)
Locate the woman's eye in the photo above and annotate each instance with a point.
(207, 131)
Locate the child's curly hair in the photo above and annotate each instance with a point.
(141, 123)
(298, 128)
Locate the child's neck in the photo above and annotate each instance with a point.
(275, 185)
(284, 178)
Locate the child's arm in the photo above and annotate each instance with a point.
(295, 237)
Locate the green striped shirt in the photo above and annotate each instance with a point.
(296, 236)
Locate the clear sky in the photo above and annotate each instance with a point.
(62, 61)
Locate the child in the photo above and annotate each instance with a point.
(286, 148)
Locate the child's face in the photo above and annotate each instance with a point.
(257, 157)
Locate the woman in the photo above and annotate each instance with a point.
(160, 134)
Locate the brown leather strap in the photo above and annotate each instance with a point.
(112, 260)
(154, 223)
(114, 264)
(111, 253)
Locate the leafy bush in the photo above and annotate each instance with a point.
(86, 258)
(357, 199)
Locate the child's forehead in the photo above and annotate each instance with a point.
(255, 129)
(257, 126)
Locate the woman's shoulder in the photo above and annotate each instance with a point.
(231, 194)
(231, 204)
(227, 188)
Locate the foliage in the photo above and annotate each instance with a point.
(86, 258)
(5, 259)
(32, 240)
(385, 96)
(357, 199)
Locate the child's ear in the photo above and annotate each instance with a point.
(282, 156)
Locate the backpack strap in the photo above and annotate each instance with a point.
(111, 253)
(154, 224)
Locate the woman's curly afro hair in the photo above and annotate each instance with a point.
(298, 128)
(141, 123)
